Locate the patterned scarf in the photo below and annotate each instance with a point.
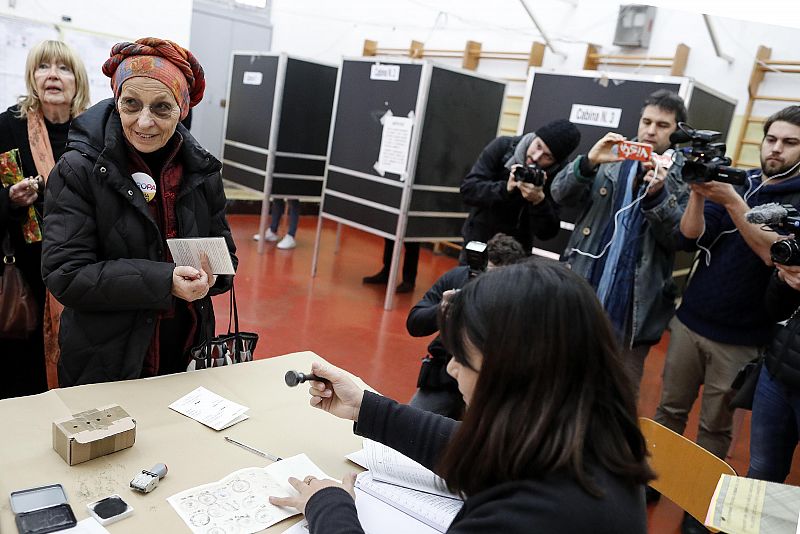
(42, 154)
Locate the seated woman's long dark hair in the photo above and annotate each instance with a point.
(552, 395)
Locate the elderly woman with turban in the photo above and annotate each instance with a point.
(131, 178)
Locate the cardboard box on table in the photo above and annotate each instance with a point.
(92, 433)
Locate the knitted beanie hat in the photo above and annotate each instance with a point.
(561, 137)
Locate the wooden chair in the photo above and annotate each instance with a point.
(687, 473)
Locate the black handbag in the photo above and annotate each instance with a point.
(19, 311)
(225, 349)
(744, 385)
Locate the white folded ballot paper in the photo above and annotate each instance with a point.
(210, 409)
(186, 251)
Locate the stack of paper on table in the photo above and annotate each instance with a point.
(210, 409)
(240, 502)
(748, 506)
(405, 485)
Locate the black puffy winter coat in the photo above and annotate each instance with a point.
(782, 356)
(103, 254)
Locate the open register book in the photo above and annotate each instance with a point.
(406, 485)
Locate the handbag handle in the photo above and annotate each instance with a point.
(8, 250)
(233, 315)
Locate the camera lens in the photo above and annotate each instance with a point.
(785, 252)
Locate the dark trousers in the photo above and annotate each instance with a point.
(773, 429)
(409, 262)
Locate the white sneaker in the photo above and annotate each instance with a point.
(269, 236)
(287, 242)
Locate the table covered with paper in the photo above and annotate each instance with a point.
(278, 420)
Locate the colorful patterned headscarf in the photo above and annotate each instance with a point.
(161, 60)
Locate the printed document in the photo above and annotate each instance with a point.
(210, 409)
(433, 510)
(748, 506)
(186, 251)
(401, 483)
(240, 501)
(388, 465)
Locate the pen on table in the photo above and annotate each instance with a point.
(254, 450)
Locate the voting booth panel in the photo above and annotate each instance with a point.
(406, 125)
(367, 98)
(404, 135)
(600, 102)
(251, 95)
(454, 132)
(279, 109)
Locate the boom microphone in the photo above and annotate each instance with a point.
(679, 137)
(772, 213)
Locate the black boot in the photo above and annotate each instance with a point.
(379, 278)
(405, 287)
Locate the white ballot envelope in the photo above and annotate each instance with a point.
(186, 251)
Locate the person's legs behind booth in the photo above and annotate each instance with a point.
(288, 241)
(410, 263)
(277, 206)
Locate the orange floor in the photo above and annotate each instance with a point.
(342, 320)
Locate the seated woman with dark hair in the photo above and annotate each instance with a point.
(550, 440)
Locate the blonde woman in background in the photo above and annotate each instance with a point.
(57, 91)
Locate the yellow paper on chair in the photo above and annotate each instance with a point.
(747, 506)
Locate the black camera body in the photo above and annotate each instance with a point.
(705, 158)
(532, 174)
(787, 251)
(477, 257)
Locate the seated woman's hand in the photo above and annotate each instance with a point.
(308, 487)
(188, 283)
(339, 395)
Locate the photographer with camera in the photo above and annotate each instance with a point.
(775, 425)
(438, 391)
(623, 240)
(722, 323)
(509, 187)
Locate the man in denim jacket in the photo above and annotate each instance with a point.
(629, 258)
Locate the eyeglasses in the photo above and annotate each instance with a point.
(160, 110)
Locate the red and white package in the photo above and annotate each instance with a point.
(634, 150)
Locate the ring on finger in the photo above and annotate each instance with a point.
(308, 479)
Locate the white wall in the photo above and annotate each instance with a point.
(95, 26)
(326, 30)
(168, 19)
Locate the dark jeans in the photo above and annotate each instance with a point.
(278, 206)
(773, 429)
(409, 262)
